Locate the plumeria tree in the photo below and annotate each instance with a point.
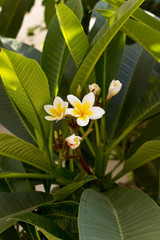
(68, 120)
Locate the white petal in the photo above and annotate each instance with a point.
(98, 113)
(89, 98)
(56, 101)
(70, 111)
(59, 118)
(50, 118)
(82, 122)
(48, 109)
(73, 100)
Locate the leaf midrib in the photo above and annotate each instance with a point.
(116, 216)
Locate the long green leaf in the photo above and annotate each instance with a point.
(137, 31)
(146, 153)
(16, 148)
(72, 187)
(13, 204)
(73, 33)
(139, 14)
(121, 214)
(27, 85)
(11, 16)
(102, 40)
(55, 52)
(48, 227)
(107, 67)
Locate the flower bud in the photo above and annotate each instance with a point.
(73, 141)
(94, 88)
(114, 88)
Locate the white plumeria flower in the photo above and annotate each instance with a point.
(73, 141)
(114, 88)
(94, 88)
(57, 110)
(85, 110)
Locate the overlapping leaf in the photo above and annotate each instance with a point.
(101, 41)
(13, 204)
(119, 214)
(16, 148)
(27, 85)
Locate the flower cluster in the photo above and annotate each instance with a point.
(82, 111)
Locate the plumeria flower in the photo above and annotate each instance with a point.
(94, 88)
(84, 110)
(57, 110)
(73, 141)
(114, 88)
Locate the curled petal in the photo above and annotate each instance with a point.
(83, 120)
(94, 88)
(97, 113)
(89, 99)
(50, 109)
(50, 118)
(73, 141)
(57, 101)
(74, 101)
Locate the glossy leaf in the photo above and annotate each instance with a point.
(73, 33)
(46, 226)
(107, 67)
(140, 15)
(101, 41)
(137, 31)
(16, 148)
(13, 204)
(53, 62)
(119, 214)
(27, 85)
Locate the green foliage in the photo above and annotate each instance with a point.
(122, 214)
(70, 155)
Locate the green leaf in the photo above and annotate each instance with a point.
(55, 52)
(101, 41)
(13, 204)
(107, 67)
(16, 148)
(73, 33)
(9, 117)
(10, 233)
(134, 85)
(63, 213)
(150, 132)
(147, 152)
(21, 48)
(139, 14)
(27, 85)
(11, 16)
(72, 187)
(137, 31)
(119, 214)
(10, 164)
(49, 11)
(46, 226)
